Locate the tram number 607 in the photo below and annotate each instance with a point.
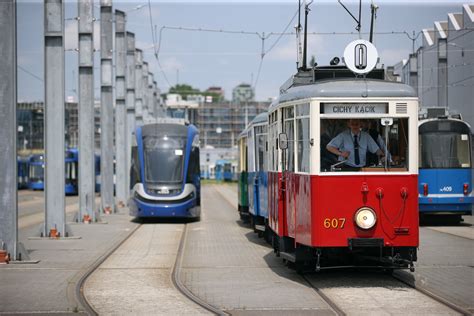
(334, 223)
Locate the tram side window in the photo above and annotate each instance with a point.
(193, 167)
(134, 168)
(288, 117)
(364, 145)
(303, 137)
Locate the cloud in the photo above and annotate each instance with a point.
(171, 64)
(390, 57)
(71, 37)
(286, 50)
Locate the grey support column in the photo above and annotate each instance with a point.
(120, 109)
(86, 111)
(54, 117)
(156, 96)
(8, 165)
(130, 80)
(106, 109)
(145, 89)
(138, 87)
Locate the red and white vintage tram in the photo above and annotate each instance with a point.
(325, 213)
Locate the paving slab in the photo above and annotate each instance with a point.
(136, 278)
(49, 286)
(228, 266)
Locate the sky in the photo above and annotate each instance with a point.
(203, 59)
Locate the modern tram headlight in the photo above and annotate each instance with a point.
(365, 218)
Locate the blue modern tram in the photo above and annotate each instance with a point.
(22, 170)
(72, 171)
(445, 175)
(164, 174)
(223, 170)
(36, 172)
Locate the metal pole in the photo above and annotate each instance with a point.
(130, 81)
(54, 118)
(145, 94)
(86, 111)
(8, 132)
(138, 87)
(106, 109)
(156, 94)
(120, 110)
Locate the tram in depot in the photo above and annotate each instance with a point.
(165, 174)
(325, 207)
(242, 177)
(445, 179)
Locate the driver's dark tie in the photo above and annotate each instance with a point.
(356, 151)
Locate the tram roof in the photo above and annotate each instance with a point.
(171, 128)
(455, 125)
(262, 117)
(347, 88)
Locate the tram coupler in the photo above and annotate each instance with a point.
(318, 260)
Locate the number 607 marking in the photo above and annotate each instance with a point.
(334, 223)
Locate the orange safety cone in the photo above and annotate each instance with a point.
(53, 233)
(4, 257)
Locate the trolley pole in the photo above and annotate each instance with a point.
(138, 87)
(120, 109)
(130, 81)
(8, 132)
(106, 109)
(86, 112)
(54, 118)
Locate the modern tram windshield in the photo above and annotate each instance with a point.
(164, 158)
(444, 150)
(36, 172)
(366, 145)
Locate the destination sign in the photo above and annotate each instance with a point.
(354, 108)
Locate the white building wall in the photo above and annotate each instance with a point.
(429, 70)
(461, 63)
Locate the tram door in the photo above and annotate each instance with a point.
(251, 173)
(261, 179)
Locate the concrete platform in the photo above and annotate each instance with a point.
(48, 287)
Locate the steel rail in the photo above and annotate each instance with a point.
(176, 279)
(81, 298)
(432, 295)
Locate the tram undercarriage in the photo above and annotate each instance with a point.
(360, 253)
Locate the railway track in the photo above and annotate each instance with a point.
(432, 295)
(330, 302)
(81, 298)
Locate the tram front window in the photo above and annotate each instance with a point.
(164, 158)
(36, 172)
(444, 150)
(364, 145)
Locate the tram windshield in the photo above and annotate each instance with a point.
(36, 172)
(365, 145)
(164, 159)
(444, 150)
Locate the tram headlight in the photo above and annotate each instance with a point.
(365, 218)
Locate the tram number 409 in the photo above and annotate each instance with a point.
(334, 223)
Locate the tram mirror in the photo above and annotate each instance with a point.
(283, 141)
(386, 121)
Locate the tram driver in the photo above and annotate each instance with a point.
(351, 146)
